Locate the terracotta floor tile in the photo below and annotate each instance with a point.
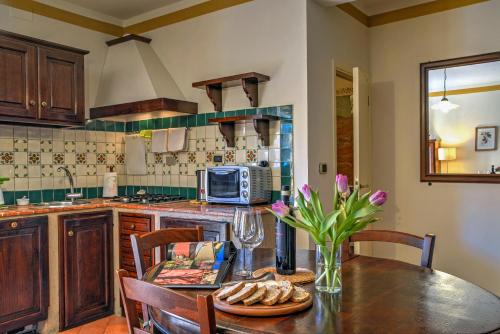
(110, 325)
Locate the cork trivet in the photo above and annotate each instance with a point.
(301, 276)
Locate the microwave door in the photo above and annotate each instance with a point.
(224, 183)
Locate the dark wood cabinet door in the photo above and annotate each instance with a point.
(212, 231)
(24, 286)
(86, 280)
(18, 79)
(61, 86)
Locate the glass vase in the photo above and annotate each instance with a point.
(328, 269)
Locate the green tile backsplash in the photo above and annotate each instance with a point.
(31, 156)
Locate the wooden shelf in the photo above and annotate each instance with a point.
(260, 123)
(249, 81)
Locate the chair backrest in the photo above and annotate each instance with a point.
(163, 237)
(199, 311)
(426, 244)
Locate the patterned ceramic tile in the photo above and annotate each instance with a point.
(20, 145)
(34, 158)
(251, 156)
(47, 170)
(120, 158)
(91, 147)
(200, 144)
(46, 146)
(101, 158)
(20, 171)
(158, 158)
(70, 146)
(6, 158)
(230, 157)
(210, 156)
(81, 158)
(191, 157)
(58, 158)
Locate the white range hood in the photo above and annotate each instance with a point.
(135, 85)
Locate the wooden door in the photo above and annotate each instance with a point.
(86, 268)
(362, 125)
(24, 287)
(18, 79)
(61, 86)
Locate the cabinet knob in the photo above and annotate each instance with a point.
(132, 226)
(44, 104)
(70, 233)
(13, 224)
(32, 103)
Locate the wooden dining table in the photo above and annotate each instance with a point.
(378, 296)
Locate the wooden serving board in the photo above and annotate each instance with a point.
(260, 310)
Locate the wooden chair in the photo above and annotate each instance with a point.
(161, 238)
(147, 242)
(199, 311)
(426, 244)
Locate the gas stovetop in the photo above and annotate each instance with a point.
(148, 199)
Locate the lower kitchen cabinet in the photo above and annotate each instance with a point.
(213, 231)
(86, 267)
(24, 282)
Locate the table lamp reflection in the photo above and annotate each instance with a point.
(447, 154)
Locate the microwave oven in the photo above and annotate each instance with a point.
(243, 185)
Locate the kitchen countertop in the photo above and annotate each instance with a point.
(186, 207)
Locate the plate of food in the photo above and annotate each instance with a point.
(268, 298)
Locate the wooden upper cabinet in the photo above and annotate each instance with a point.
(61, 86)
(41, 83)
(18, 79)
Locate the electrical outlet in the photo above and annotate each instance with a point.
(217, 158)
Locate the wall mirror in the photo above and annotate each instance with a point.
(460, 120)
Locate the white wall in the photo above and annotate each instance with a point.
(332, 35)
(256, 36)
(41, 27)
(465, 217)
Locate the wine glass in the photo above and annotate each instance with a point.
(248, 228)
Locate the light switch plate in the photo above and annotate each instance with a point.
(323, 168)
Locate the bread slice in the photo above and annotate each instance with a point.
(246, 292)
(273, 293)
(287, 289)
(256, 297)
(300, 295)
(230, 290)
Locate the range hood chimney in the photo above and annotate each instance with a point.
(135, 85)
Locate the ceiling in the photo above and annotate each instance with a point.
(373, 7)
(122, 9)
(465, 76)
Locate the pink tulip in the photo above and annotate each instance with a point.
(280, 208)
(342, 183)
(306, 191)
(378, 198)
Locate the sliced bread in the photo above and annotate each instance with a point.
(299, 295)
(256, 297)
(246, 292)
(287, 289)
(273, 293)
(230, 290)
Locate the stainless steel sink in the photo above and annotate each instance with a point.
(61, 204)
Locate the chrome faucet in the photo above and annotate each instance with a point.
(71, 195)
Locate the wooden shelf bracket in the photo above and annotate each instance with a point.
(227, 131)
(251, 89)
(214, 93)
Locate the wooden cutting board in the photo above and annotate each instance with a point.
(260, 310)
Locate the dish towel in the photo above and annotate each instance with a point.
(177, 139)
(135, 155)
(159, 141)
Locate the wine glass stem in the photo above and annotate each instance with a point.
(248, 264)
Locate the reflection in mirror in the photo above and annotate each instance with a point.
(463, 114)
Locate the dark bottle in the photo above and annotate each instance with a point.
(285, 241)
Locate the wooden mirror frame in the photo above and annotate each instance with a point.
(425, 175)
